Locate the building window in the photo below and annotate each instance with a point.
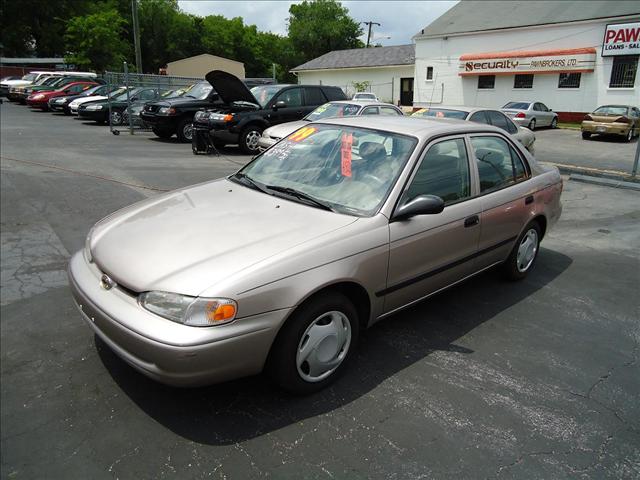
(623, 72)
(486, 81)
(569, 80)
(429, 73)
(523, 81)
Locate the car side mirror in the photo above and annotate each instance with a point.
(420, 205)
(279, 104)
(549, 110)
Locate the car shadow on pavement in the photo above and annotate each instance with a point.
(247, 408)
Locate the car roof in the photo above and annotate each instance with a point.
(415, 126)
(363, 103)
(460, 108)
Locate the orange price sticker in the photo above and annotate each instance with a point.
(302, 134)
(345, 151)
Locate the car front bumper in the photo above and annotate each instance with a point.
(95, 115)
(266, 142)
(612, 128)
(166, 351)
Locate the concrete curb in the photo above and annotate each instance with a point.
(594, 172)
(605, 182)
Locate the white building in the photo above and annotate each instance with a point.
(570, 55)
(386, 71)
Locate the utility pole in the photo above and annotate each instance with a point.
(136, 34)
(370, 23)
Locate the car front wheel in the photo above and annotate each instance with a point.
(116, 117)
(524, 253)
(315, 344)
(532, 124)
(630, 135)
(586, 135)
(185, 130)
(249, 139)
(554, 122)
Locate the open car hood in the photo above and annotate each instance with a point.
(229, 87)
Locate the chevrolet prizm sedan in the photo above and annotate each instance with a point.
(281, 265)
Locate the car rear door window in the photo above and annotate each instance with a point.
(444, 172)
(498, 163)
(479, 117)
(498, 119)
(389, 111)
(314, 96)
(371, 111)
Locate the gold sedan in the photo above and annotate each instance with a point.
(620, 120)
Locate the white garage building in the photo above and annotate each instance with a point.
(570, 55)
(387, 71)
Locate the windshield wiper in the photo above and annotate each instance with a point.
(301, 195)
(248, 181)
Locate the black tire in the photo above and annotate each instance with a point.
(282, 363)
(630, 135)
(511, 268)
(185, 130)
(162, 133)
(586, 135)
(554, 122)
(116, 117)
(532, 124)
(248, 141)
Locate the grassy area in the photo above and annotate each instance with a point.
(569, 125)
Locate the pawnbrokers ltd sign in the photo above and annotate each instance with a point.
(543, 61)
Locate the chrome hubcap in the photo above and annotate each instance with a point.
(116, 118)
(187, 131)
(252, 139)
(527, 250)
(323, 346)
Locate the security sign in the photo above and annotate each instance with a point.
(621, 39)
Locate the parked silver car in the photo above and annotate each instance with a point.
(531, 114)
(366, 96)
(281, 265)
(341, 108)
(482, 115)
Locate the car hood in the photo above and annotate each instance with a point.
(229, 87)
(284, 129)
(81, 100)
(182, 101)
(15, 83)
(192, 239)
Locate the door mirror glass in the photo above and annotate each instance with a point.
(420, 205)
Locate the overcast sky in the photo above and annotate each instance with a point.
(400, 19)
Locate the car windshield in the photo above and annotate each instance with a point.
(199, 91)
(611, 110)
(122, 97)
(345, 169)
(333, 110)
(517, 105)
(264, 93)
(92, 91)
(30, 77)
(440, 113)
(47, 80)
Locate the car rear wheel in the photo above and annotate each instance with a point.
(554, 122)
(249, 139)
(162, 133)
(315, 344)
(185, 130)
(524, 253)
(630, 135)
(586, 135)
(532, 124)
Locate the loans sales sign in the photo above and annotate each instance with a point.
(621, 39)
(541, 61)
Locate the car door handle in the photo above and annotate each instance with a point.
(528, 200)
(471, 221)
(299, 112)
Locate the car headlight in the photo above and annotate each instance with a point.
(192, 311)
(61, 100)
(93, 108)
(38, 97)
(201, 116)
(221, 117)
(167, 111)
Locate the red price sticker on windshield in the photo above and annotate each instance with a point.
(345, 151)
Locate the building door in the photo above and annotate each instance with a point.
(406, 92)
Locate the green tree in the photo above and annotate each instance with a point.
(320, 26)
(96, 41)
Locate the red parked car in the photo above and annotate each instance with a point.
(41, 99)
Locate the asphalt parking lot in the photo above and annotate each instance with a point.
(537, 379)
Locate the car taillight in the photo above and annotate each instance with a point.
(588, 117)
(520, 115)
(622, 120)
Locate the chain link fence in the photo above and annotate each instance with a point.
(133, 91)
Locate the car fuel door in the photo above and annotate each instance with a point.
(429, 252)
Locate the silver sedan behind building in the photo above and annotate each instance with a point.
(281, 265)
(531, 114)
